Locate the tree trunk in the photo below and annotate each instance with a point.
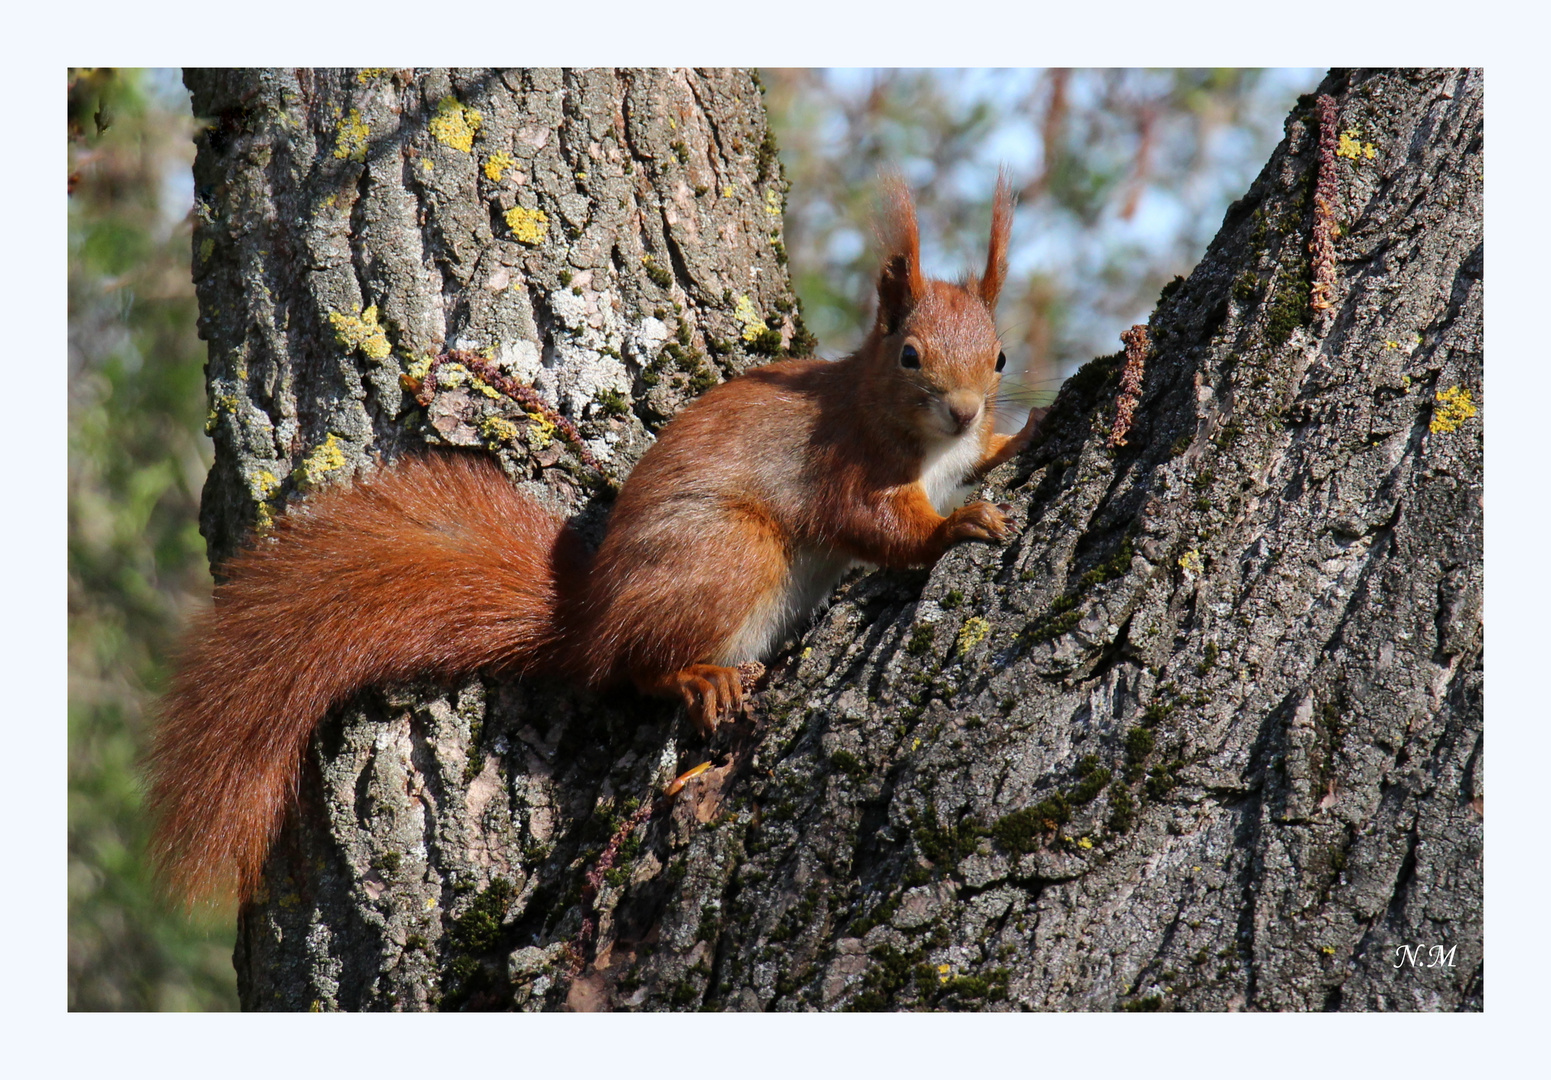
(1205, 735)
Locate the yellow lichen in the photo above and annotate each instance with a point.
(262, 484)
(496, 429)
(1190, 563)
(773, 202)
(353, 133)
(455, 124)
(498, 163)
(206, 246)
(361, 332)
(529, 226)
(729, 191)
(419, 367)
(1351, 146)
(427, 164)
(541, 431)
(1455, 406)
(1085, 843)
(325, 458)
(745, 312)
(366, 75)
(452, 376)
(222, 403)
(972, 633)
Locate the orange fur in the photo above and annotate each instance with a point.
(733, 527)
(390, 578)
(1001, 232)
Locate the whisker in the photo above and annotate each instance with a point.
(1022, 380)
(1026, 386)
(1026, 398)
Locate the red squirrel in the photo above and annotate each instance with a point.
(733, 528)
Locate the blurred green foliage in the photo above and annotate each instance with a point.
(137, 460)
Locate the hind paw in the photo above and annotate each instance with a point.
(710, 693)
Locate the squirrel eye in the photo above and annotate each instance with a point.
(908, 357)
(1001, 361)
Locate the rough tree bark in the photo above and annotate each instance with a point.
(1205, 735)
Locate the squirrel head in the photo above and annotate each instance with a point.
(934, 344)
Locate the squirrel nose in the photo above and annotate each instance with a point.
(964, 407)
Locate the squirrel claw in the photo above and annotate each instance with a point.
(980, 521)
(710, 693)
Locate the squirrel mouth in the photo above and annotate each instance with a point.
(954, 425)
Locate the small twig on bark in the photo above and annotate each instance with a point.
(581, 945)
(498, 380)
(1322, 244)
(1130, 384)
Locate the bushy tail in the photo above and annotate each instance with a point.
(433, 567)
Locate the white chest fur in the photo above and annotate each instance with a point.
(814, 572)
(811, 577)
(945, 467)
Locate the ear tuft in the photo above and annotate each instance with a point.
(900, 284)
(1001, 230)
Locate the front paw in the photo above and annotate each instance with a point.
(979, 521)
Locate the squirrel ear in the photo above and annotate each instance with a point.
(1001, 229)
(900, 284)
